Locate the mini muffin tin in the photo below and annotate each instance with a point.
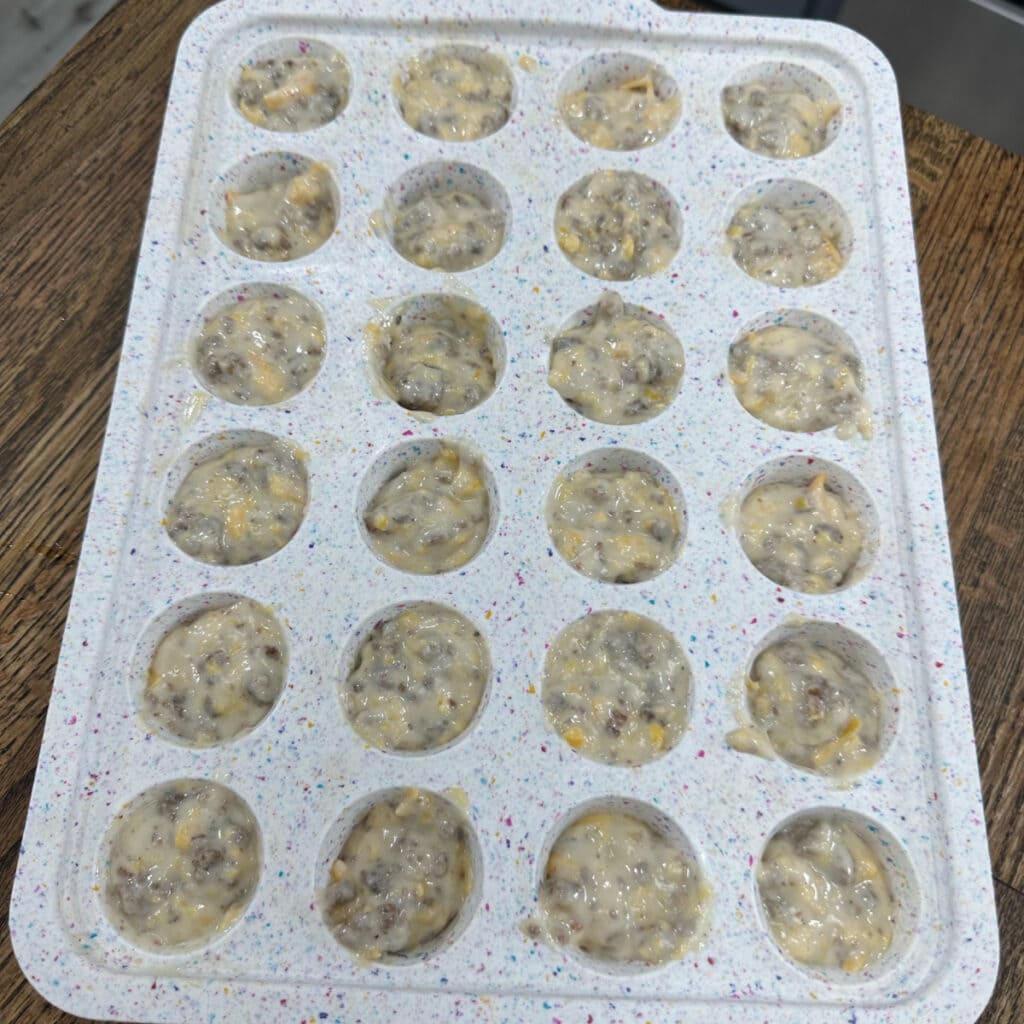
(303, 770)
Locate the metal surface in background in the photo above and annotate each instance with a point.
(34, 35)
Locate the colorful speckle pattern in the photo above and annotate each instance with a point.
(303, 769)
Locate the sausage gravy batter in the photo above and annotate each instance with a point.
(616, 890)
(617, 687)
(183, 865)
(293, 94)
(618, 365)
(436, 357)
(628, 113)
(432, 516)
(456, 94)
(805, 536)
(796, 379)
(617, 225)
(778, 117)
(614, 525)
(418, 679)
(401, 878)
(448, 228)
(285, 220)
(261, 350)
(816, 710)
(791, 244)
(240, 506)
(215, 676)
(826, 893)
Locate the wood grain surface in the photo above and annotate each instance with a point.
(75, 166)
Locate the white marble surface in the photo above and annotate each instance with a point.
(34, 35)
(301, 772)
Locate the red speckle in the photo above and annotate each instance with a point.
(284, 1002)
(543, 749)
(700, 753)
(519, 578)
(406, 433)
(711, 960)
(750, 860)
(152, 988)
(735, 312)
(938, 664)
(85, 643)
(73, 719)
(508, 821)
(303, 48)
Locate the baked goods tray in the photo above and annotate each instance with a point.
(302, 772)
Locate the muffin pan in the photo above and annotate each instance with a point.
(303, 772)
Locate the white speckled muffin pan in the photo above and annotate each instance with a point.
(303, 771)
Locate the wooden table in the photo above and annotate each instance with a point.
(75, 166)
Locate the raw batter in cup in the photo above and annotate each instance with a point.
(401, 878)
(827, 893)
(814, 708)
(215, 676)
(285, 220)
(614, 525)
(436, 355)
(432, 516)
(618, 365)
(787, 242)
(617, 225)
(184, 863)
(629, 111)
(294, 93)
(261, 350)
(806, 536)
(616, 890)
(448, 228)
(456, 94)
(617, 687)
(240, 506)
(418, 679)
(794, 378)
(778, 117)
